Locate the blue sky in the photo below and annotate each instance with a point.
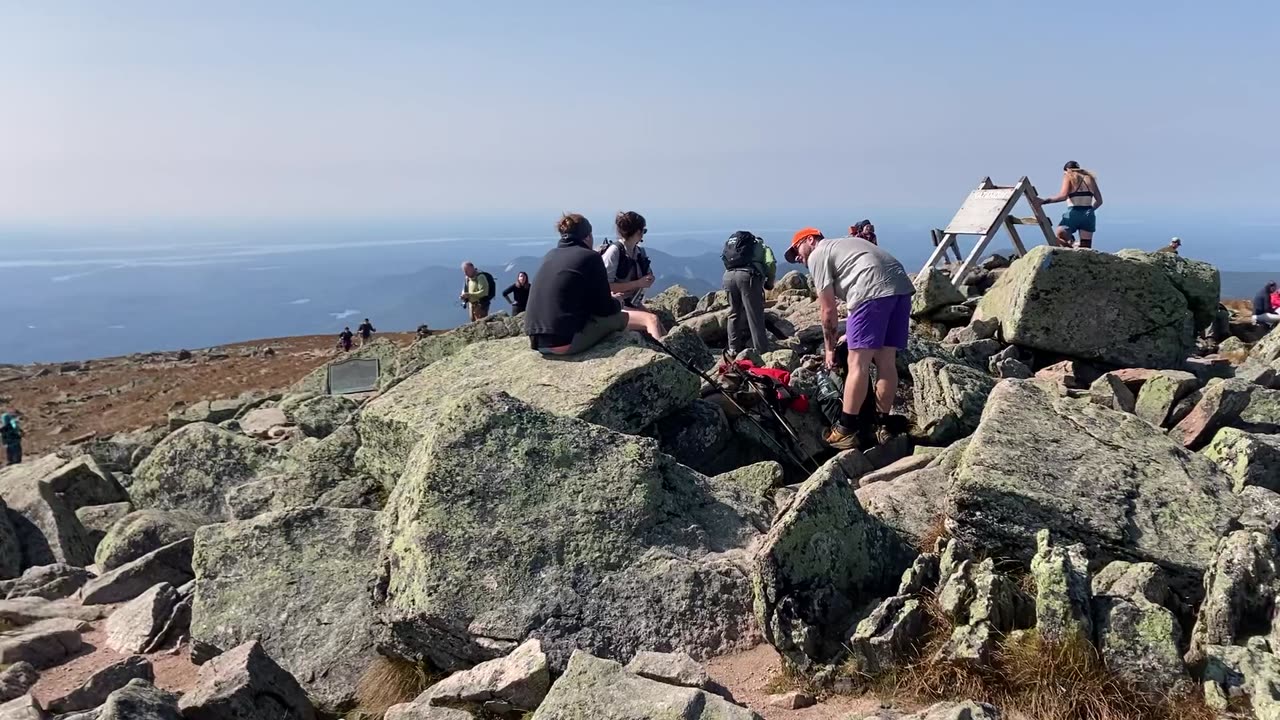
(317, 109)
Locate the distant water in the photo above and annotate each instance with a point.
(91, 292)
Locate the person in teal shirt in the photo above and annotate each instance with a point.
(11, 436)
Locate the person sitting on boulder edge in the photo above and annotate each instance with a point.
(626, 262)
(1080, 190)
(477, 291)
(570, 306)
(749, 270)
(878, 292)
(517, 293)
(1263, 311)
(11, 436)
(1172, 247)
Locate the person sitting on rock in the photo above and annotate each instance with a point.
(571, 308)
(344, 339)
(878, 292)
(11, 437)
(1264, 310)
(1172, 247)
(626, 263)
(1080, 190)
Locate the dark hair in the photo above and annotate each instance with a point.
(1271, 286)
(629, 223)
(569, 222)
(1071, 165)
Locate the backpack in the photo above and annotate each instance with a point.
(625, 262)
(493, 287)
(740, 251)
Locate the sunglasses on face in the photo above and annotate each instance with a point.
(644, 231)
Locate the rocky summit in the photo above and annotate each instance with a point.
(1084, 486)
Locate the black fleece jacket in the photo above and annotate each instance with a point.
(570, 287)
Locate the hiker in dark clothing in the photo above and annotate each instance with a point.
(570, 307)
(344, 339)
(517, 294)
(1263, 312)
(749, 270)
(366, 331)
(11, 436)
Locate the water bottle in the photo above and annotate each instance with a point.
(830, 394)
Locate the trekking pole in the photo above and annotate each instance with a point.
(787, 454)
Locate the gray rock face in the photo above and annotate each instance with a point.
(980, 603)
(1262, 414)
(956, 711)
(674, 669)
(320, 416)
(686, 344)
(1109, 481)
(24, 611)
(1161, 392)
(205, 411)
(934, 291)
(42, 644)
(948, 400)
(1198, 281)
(259, 422)
(16, 680)
(133, 626)
(619, 384)
(1249, 458)
(414, 711)
(1137, 635)
(1239, 590)
(886, 636)
(140, 700)
(22, 708)
(1062, 591)
(101, 684)
(193, 468)
(513, 684)
(914, 503)
(595, 688)
(1138, 317)
(562, 531)
(245, 682)
(697, 436)
(45, 529)
(51, 582)
(434, 348)
(308, 601)
(98, 519)
(1110, 392)
(142, 532)
(324, 472)
(1262, 509)
(1219, 405)
(822, 560)
(170, 564)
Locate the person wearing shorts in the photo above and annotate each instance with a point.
(1080, 190)
(877, 291)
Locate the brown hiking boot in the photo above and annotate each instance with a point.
(840, 438)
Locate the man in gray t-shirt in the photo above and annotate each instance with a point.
(877, 291)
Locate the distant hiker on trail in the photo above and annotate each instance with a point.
(11, 436)
(865, 230)
(517, 294)
(366, 331)
(477, 291)
(1172, 247)
(1264, 311)
(878, 293)
(749, 270)
(571, 308)
(344, 339)
(1080, 190)
(625, 261)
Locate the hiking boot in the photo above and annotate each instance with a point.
(841, 438)
(884, 435)
(887, 427)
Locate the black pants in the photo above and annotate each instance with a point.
(747, 327)
(13, 453)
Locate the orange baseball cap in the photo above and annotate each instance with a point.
(801, 235)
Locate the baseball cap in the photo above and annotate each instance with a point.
(801, 235)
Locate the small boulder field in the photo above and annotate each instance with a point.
(1080, 522)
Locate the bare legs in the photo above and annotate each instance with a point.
(645, 322)
(855, 386)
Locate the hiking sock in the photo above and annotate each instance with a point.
(848, 421)
(882, 418)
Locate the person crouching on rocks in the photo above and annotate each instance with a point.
(878, 292)
(570, 306)
(1264, 313)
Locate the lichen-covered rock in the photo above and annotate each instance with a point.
(974, 331)
(976, 353)
(1262, 509)
(1138, 636)
(674, 669)
(245, 682)
(1253, 672)
(675, 300)
(1220, 404)
(794, 280)
(914, 504)
(554, 528)
(619, 384)
(688, 346)
(822, 560)
(1249, 458)
(1095, 476)
(1137, 317)
(934, 291)
(193, 468)
(1062, 591)
(142, 532)
(1161, 393)
(170, 564)
(40, 527)
(956, 711)
(697, 436)
(205, 411)
(98, 519)
(516, 683)
(601, 689)
(886, 637)
(16, 680)
(1110, 392)
(1239, 593)
(434, 348)
(298, 582)
(981, 604)
(321, 415)
(1198, 281)
(321, 472)
(948, 400)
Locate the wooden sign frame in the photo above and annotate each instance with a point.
(984, 212)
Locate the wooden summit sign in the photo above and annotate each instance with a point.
(983, 213)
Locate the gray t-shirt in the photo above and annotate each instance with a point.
(858, 270)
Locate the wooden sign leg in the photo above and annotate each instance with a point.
(968, 264)
(1013, 233)
(940, 251)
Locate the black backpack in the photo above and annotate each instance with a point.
(493, 288)
(740, 251)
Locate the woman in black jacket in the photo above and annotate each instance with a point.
(518, 294)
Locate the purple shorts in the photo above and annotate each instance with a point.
(883, 322)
